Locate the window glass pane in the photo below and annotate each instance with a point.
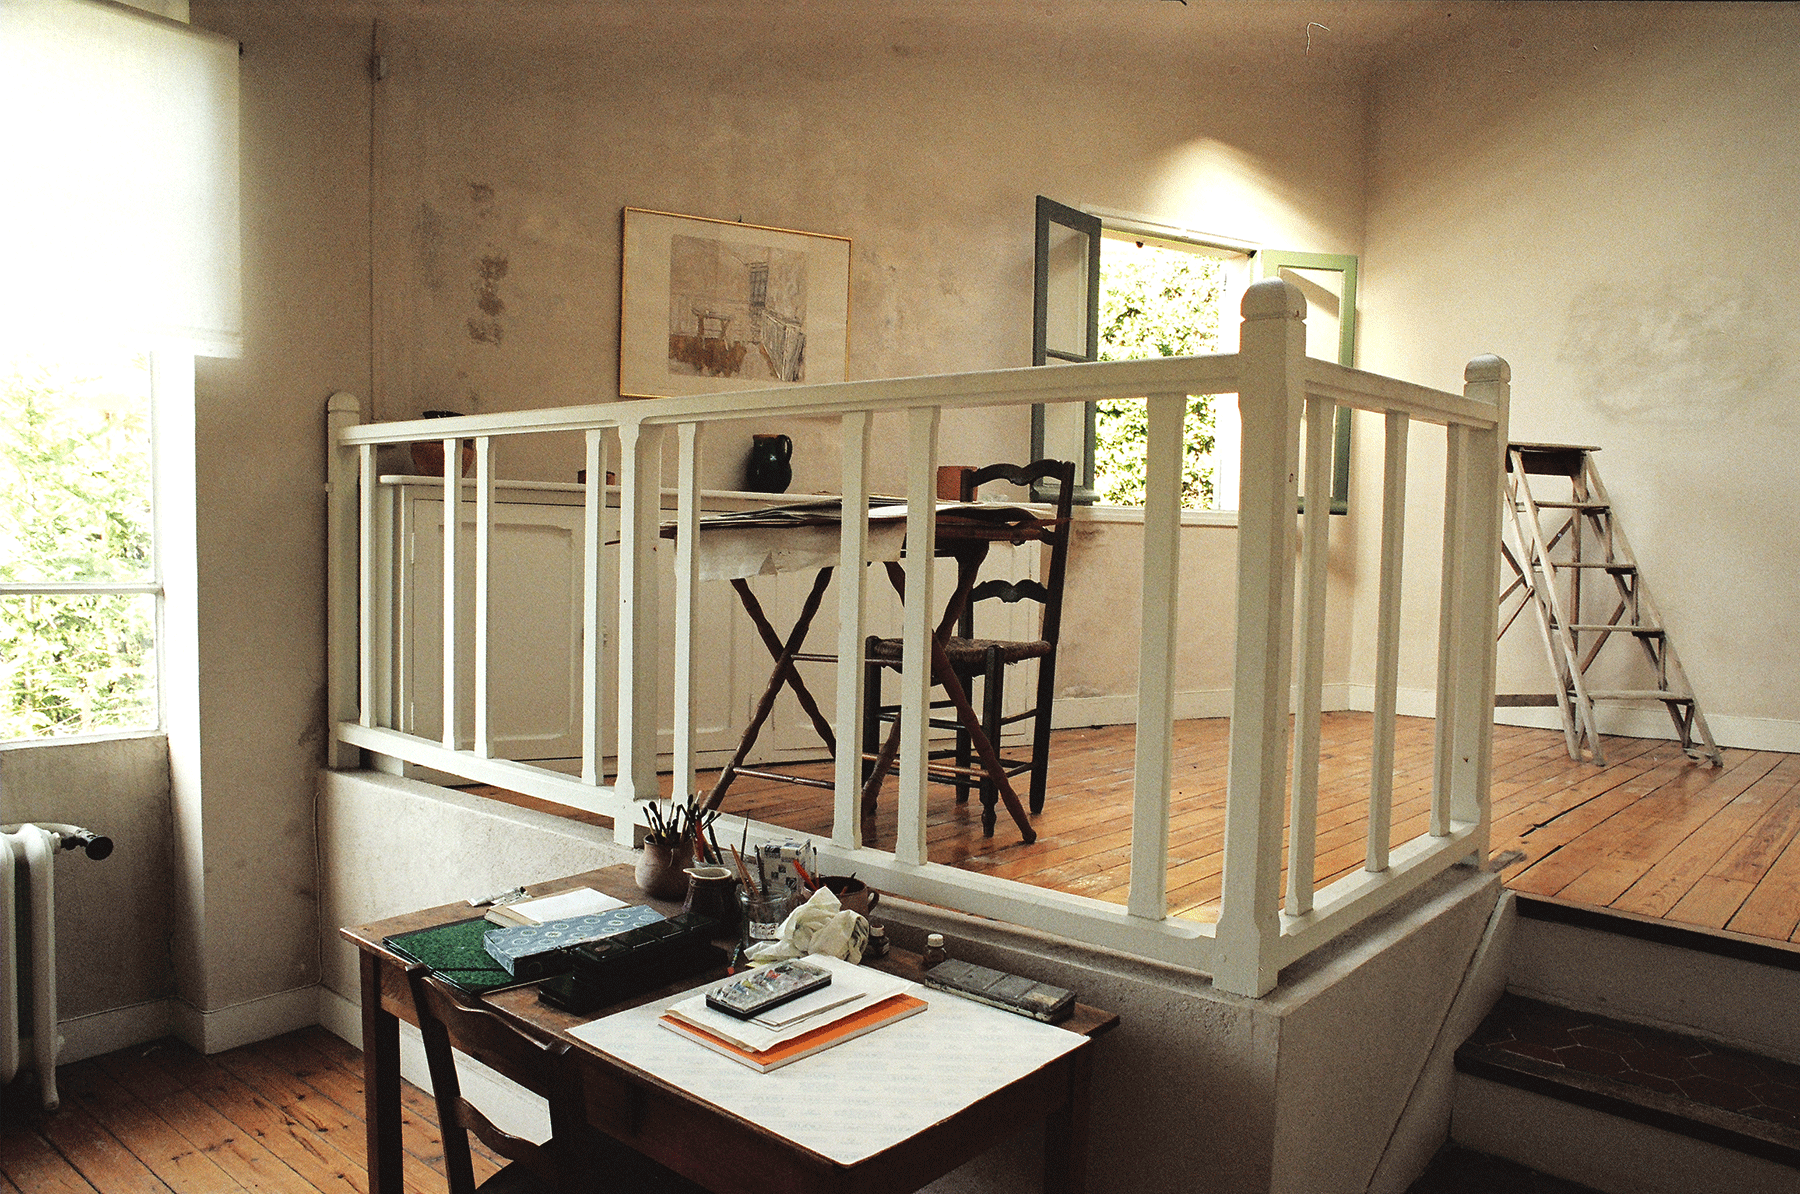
(75, 467)
(77, 663)
(1066, 310)
(1158, 300)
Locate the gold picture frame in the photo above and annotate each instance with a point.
(713, 306)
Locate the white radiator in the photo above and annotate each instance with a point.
(27, 915)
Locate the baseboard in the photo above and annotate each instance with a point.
(1121, 709)
(243, 1023)
(210, 1032)
(117, 1028)
(1624, 721)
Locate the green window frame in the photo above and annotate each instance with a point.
(1269, 264)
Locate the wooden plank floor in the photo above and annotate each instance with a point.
(1651, 833)
(284, 1116)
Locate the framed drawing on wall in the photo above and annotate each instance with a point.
(709, 306)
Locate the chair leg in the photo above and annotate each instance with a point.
(1040, 734)
(871, 709)
(993, 689)
(965, 755)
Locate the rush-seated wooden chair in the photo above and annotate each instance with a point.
(577, 1159)
(971, 656)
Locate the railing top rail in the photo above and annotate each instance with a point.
(1375, 392)
(1209, 374)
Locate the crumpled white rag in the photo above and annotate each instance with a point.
(819, 926)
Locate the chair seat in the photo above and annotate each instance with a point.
(965, 653)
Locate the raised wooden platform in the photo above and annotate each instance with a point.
(1653, 833)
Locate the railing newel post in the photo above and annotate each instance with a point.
(1270, 398)
(348, 563)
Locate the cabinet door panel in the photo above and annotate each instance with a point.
(535, 631)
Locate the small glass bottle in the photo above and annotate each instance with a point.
(934, 950)
(878, 942)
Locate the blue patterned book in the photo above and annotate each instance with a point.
(538, 951)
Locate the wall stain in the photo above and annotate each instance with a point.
(428, 239)
(481, 197)
(488, 272)
(1690, 348)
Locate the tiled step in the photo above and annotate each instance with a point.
(1717, 985)
(1722, 1097)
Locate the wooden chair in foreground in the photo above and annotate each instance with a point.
(576, 1158)
(971, 656)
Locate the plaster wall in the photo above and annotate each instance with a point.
(112, 916)
(1602, 194)
(250, 737)
(502, 164)
(1196, 1091)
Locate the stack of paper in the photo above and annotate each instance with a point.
(858, 1001)
(583, 901)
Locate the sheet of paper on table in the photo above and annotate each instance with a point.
(583, 901)
(762, 543)
(881, 1089)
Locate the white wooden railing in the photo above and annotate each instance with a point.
(1279, 389)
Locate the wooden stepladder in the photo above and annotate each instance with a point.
(1570, 563)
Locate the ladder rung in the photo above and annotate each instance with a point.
(1574, 505)
(1610, 566)
(1640, 694)
(1621, 627)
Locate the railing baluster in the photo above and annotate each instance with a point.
(687, 580)
(1456, 450)
(640, 511)
(917, 625)
(1315, 548)
(1387, 643)
(1155, 761)
(452, 726)
(484, 591)
(852, 577)
(593, 613)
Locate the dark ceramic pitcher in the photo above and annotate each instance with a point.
(769, 470)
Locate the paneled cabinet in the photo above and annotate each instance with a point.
(537, 626)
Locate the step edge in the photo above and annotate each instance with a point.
(1709, 1125)
(1720, 942)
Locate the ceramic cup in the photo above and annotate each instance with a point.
(712, 891)
(853, 893)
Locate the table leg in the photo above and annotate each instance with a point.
(785, 673)
(381, 1082)
(1066, 1131)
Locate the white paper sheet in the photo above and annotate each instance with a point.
(730, 552)
(852, 1101)
(583, 901)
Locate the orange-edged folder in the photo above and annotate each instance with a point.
(876, 1015)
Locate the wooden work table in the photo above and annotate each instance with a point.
(722, 1151)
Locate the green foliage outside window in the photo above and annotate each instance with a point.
(1154, 302)
(75, 507)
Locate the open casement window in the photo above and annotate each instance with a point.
(1066, 327)
(1328, 280)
